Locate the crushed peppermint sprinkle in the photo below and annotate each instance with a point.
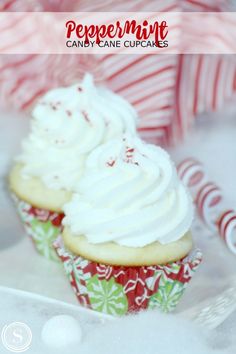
(68, 113)
(129, 150)
(86, 117)
(80, 89)
(129, 154)
(111, 163)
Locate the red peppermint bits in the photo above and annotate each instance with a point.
(111, 163)
(130, 150)
(129, 154)
(86, 117)
(69, 113)
(80, 89)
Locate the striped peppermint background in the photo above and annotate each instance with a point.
(168, 91)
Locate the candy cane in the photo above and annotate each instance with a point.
(227, 229)
(191, 172)
(208, 199)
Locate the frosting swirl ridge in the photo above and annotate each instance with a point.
(67, 124)
(130, 194)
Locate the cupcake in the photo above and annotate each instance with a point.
(67, 124)
(127, 243)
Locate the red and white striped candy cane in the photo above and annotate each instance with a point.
(208, 200)
(227, 229)
(191, 172)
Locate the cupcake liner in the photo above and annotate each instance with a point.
(41, 225)
(119, 290)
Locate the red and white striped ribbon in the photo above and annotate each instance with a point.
(208, 199)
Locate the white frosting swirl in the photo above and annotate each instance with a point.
(67, 124)
(130, 194)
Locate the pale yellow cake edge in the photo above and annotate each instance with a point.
(33, 191)
(111, 253)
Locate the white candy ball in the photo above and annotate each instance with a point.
(61, 331)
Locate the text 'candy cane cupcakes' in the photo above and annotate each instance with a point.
(127, 243)
(67, 124)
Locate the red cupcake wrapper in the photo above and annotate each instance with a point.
(41, 225)
(118, 290)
